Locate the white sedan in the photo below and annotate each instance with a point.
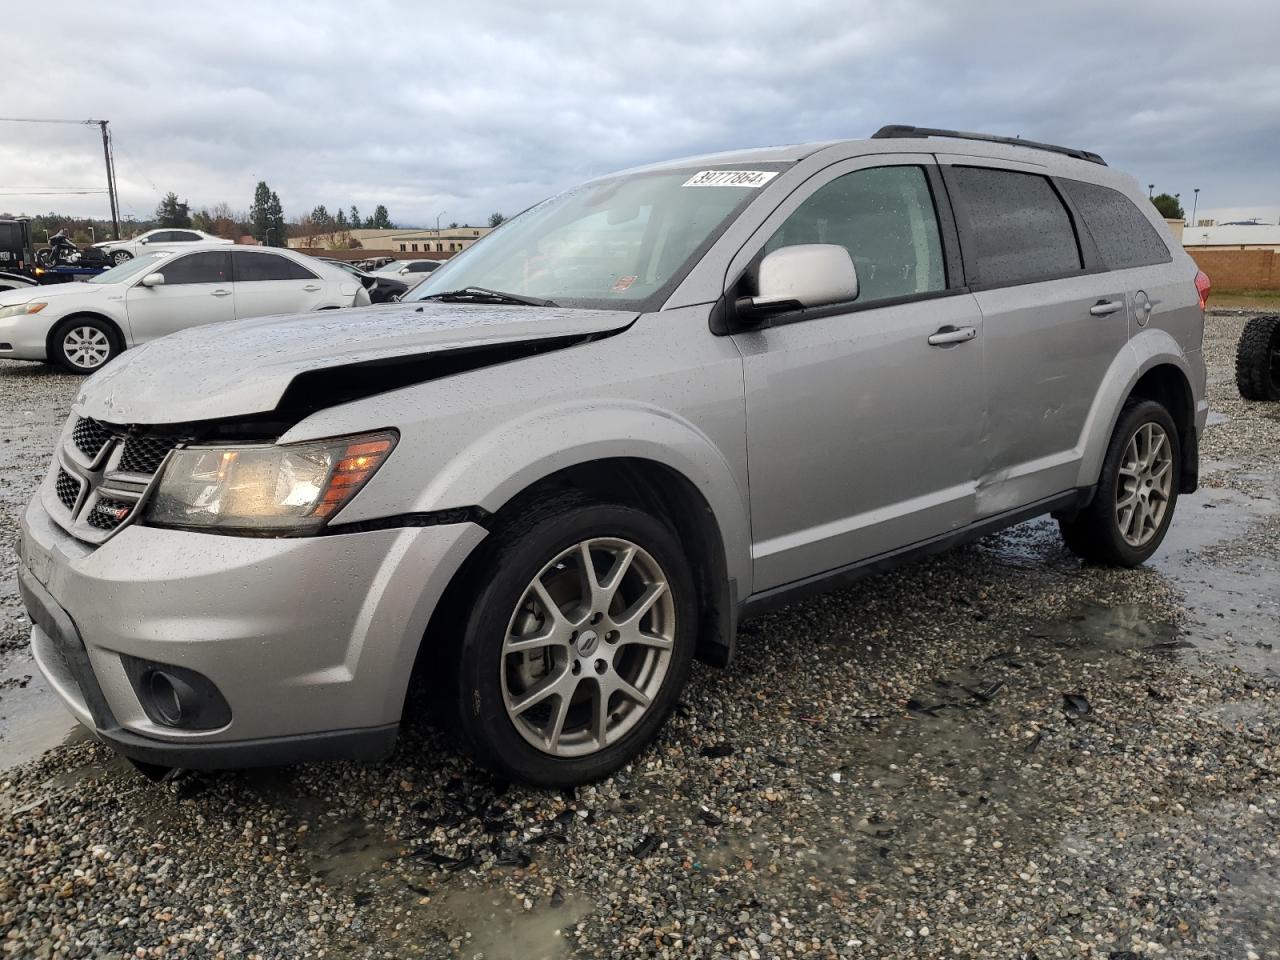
(118, 251)
(82, 326)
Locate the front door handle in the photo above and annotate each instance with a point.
(949, 335)
(311, 288)
(1104, 308)
(220, 293)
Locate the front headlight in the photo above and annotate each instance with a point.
(21, 310)
(290, 489)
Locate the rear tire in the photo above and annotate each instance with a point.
(84, 344)
(1258, 359)
(558, 699)
(1137, 490)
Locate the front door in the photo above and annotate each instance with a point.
(197, 289)
(863, 418)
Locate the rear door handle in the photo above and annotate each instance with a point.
(950, 335)
(311, 288)
(1104, 308)
(221, 293)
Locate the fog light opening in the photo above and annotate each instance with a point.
(167, 695)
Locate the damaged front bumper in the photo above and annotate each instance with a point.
(308, 642)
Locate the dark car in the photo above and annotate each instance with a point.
(381, 289)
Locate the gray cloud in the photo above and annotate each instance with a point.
(471, 108)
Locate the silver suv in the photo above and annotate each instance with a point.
(590, 444)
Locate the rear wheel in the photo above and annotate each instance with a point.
(577, 644)
(84, 344)
(1258, 359)
(1137, 490)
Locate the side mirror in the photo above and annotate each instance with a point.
(153, 280)
(144, 240)
(806, 275)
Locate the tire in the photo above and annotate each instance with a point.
(1104, 532)
(84, 344)
(507, 704)
(1258, 359)
(120, 256)
(44, 257)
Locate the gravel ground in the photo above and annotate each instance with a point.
(998, 752)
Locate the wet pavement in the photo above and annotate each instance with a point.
(998, 752)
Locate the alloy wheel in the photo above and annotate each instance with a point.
(87, 348)
(1145, 485)
(588, 647)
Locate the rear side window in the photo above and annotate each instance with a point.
(198, 268)
(1125, 238)
(1013, 226)
(884, 217)
(268, 266)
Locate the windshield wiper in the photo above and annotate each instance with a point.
(485, 295)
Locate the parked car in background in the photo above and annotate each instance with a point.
(118, 251)
(381, 289)
(374, 263)
(83, 325)
(572, 460)
(410, 272)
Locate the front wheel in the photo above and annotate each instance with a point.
(84, 344)
(576, 647)
(1137, 490)
(120, 256)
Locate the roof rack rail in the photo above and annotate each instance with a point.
(895, 130)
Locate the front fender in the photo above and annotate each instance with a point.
(497, 465)
(1149, 349)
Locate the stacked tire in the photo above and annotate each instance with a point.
(1258, 359)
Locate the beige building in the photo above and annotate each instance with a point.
(443, 241)
(440, 242)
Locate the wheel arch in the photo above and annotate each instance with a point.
(1151, 367)
(649, 485)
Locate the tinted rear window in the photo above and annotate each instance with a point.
(268, 266)
(1013, 226)
(1125, 238)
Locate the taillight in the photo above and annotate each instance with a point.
(1202, 288)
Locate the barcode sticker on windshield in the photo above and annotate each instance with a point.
(730, 178)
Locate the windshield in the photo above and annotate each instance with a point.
(391, 267)
(621, 243)
(130, 268)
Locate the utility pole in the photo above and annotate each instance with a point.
(111, 178)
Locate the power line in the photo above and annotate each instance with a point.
(107, 156)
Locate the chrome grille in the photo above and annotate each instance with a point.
(144, 454)
(108, 513)
(90, 437)
(68, 488)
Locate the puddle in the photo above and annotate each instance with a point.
(32, 718)
(344, 848)
(497, 926)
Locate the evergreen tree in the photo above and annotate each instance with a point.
(275, 221)
(320, 217)
(496, 219)
(259, 213)
(172, 213)
(354, 217)
(381, 220)
(1168, 206)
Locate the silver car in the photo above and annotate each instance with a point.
(589, 445)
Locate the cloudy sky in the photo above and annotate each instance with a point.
(468, 108)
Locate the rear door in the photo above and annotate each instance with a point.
(861, 432)
(268, 283)
(196, 290)
(1053, 322)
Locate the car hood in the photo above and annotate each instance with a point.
(244, 367)
(50, 292)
